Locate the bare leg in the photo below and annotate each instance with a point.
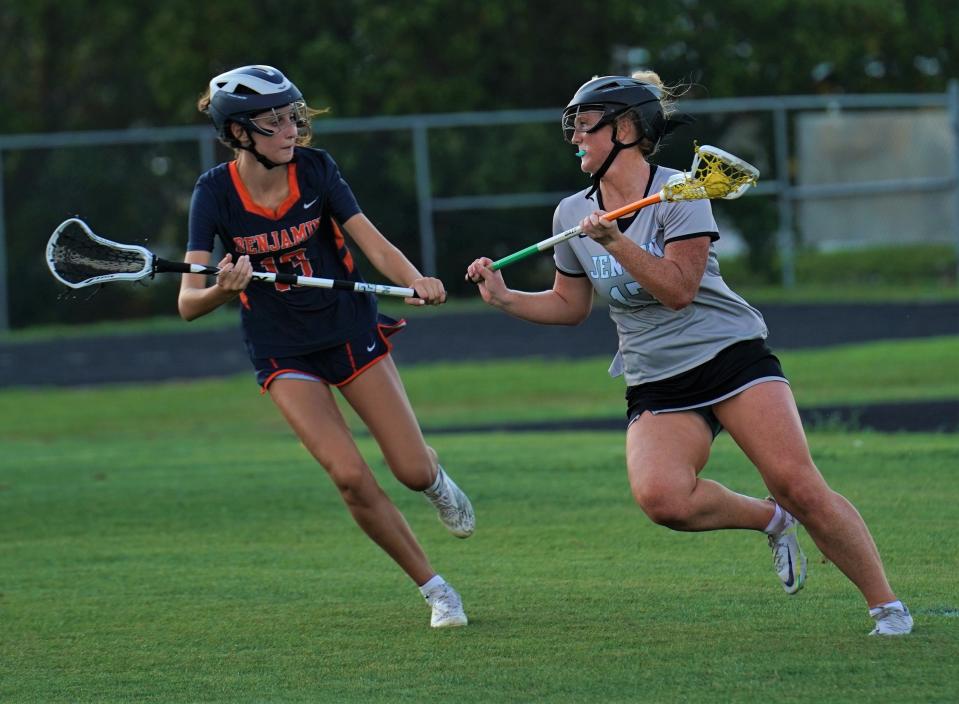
(764, 422)
(311, 411)
(378, 397)
(664, 455)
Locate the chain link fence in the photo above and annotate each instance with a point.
(838, 172)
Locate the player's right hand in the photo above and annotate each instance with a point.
(234, 277)
(490, 283)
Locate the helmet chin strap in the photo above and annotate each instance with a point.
(259, 157)
(617, 148)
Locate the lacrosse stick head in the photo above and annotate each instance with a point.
(714, 174)
(77, 257)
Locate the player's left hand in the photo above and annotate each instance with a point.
(599, 229)
(430, 291)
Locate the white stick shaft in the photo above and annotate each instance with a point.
(293, 280)
(359, 287)
(551, 242)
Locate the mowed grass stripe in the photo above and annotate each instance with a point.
(227, 570)
(173, 542)
(462, 393)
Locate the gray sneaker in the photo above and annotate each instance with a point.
(454, 507)
(891, 621)
(447, 607)
(788, 557)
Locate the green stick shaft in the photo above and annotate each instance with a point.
(542, 246)
(515, 257)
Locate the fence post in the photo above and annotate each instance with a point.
(785, 237)
(4, 300)
(424, 198)
(954, 119)
(207, 156)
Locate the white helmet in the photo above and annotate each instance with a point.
(239, 94)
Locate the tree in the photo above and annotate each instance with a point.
(112, 64)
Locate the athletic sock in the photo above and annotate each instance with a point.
(434, 582)
(433, 490)
(777, 522)
(891, 605)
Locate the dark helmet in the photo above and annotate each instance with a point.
(239, 94)
(614, 96)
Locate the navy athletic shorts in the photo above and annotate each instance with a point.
(730, 372)
(336, 365)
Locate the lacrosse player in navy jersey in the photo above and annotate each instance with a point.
(281, 206)
(692, 351)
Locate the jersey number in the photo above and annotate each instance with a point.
(632, 288)
(297, 258)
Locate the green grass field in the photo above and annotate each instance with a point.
(174, 543)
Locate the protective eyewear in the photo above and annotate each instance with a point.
(275, 119)
(583, 119)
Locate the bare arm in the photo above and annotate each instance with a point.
(392, 263)
(567, 303)
(197, 299)
(672, 279)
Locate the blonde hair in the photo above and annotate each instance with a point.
(670, 94)
(668, 97)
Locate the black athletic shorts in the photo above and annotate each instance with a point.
(730, 372)
(335, 365)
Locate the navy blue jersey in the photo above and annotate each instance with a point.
(302, 236)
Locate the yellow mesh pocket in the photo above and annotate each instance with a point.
(714, 174)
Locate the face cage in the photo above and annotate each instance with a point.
(299, 114)
(571, 113)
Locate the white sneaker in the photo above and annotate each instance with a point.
(788, 557)
(454, 508)
(447, 607)
(891, 621)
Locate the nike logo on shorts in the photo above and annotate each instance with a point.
(371, 347)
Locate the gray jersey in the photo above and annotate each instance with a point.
(654, 341)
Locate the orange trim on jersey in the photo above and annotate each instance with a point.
(245, 300)
(341, 245)
(251, 206)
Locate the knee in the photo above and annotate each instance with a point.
(662, 507)
(354, 481)
(805, 496)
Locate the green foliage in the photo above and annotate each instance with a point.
(930, 265)
(880, 265)
(45, 190)
(146, 64)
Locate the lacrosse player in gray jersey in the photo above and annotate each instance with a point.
(692, 351)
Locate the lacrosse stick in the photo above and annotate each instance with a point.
(78, 257)
(713, 174)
